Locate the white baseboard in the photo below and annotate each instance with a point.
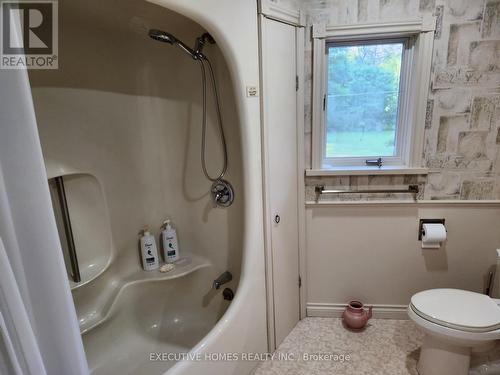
(335, 310)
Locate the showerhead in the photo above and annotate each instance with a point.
(162, 36)
(195, 53)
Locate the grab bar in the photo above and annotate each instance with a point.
(320, 189)
(61, 194)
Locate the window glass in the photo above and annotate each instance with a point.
(362, 99)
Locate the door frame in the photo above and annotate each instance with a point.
(300, 37)
(275, 12)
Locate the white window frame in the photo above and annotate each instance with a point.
(402, 131)
(416, 67)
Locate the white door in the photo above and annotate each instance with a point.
(279, 73)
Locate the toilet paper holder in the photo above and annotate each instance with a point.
(427, 221)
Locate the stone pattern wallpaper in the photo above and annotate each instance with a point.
(462, 127)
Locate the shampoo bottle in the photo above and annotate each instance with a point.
(169, 241)
(148, 251)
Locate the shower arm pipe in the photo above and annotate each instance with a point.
(187, 49)
(195, 52)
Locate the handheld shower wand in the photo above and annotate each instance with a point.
(222, 191)
(195, 52)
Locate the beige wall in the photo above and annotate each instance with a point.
(371, 252)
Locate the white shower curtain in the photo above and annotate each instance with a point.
(19, 353)
(40, 332)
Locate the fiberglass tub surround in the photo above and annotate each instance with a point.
(123, 116)
(172, 324)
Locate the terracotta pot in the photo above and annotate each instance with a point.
(355, 316)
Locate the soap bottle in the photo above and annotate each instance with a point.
(148, 251)
(169, 242)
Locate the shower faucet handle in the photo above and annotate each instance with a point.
(216, 198)
(222, 193)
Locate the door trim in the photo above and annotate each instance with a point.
(280, 13)
(301, 204)
(271, 337)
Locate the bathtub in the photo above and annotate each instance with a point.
(153, 324)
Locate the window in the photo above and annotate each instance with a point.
(362, 100)
(370, 91)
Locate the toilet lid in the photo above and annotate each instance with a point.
(459, 309)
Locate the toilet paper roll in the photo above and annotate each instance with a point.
(433, 235)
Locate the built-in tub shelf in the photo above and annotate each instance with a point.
(187, 264)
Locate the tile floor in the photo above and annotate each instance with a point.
(384, 347)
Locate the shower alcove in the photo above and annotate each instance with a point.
(120, 122)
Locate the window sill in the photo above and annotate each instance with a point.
(365, 171)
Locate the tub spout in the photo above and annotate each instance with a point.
(224, 278)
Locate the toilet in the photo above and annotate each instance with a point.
(455, 322)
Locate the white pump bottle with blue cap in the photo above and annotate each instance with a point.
(169, 242)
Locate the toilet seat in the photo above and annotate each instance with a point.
(457, 309)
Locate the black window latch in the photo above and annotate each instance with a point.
(374, 162)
